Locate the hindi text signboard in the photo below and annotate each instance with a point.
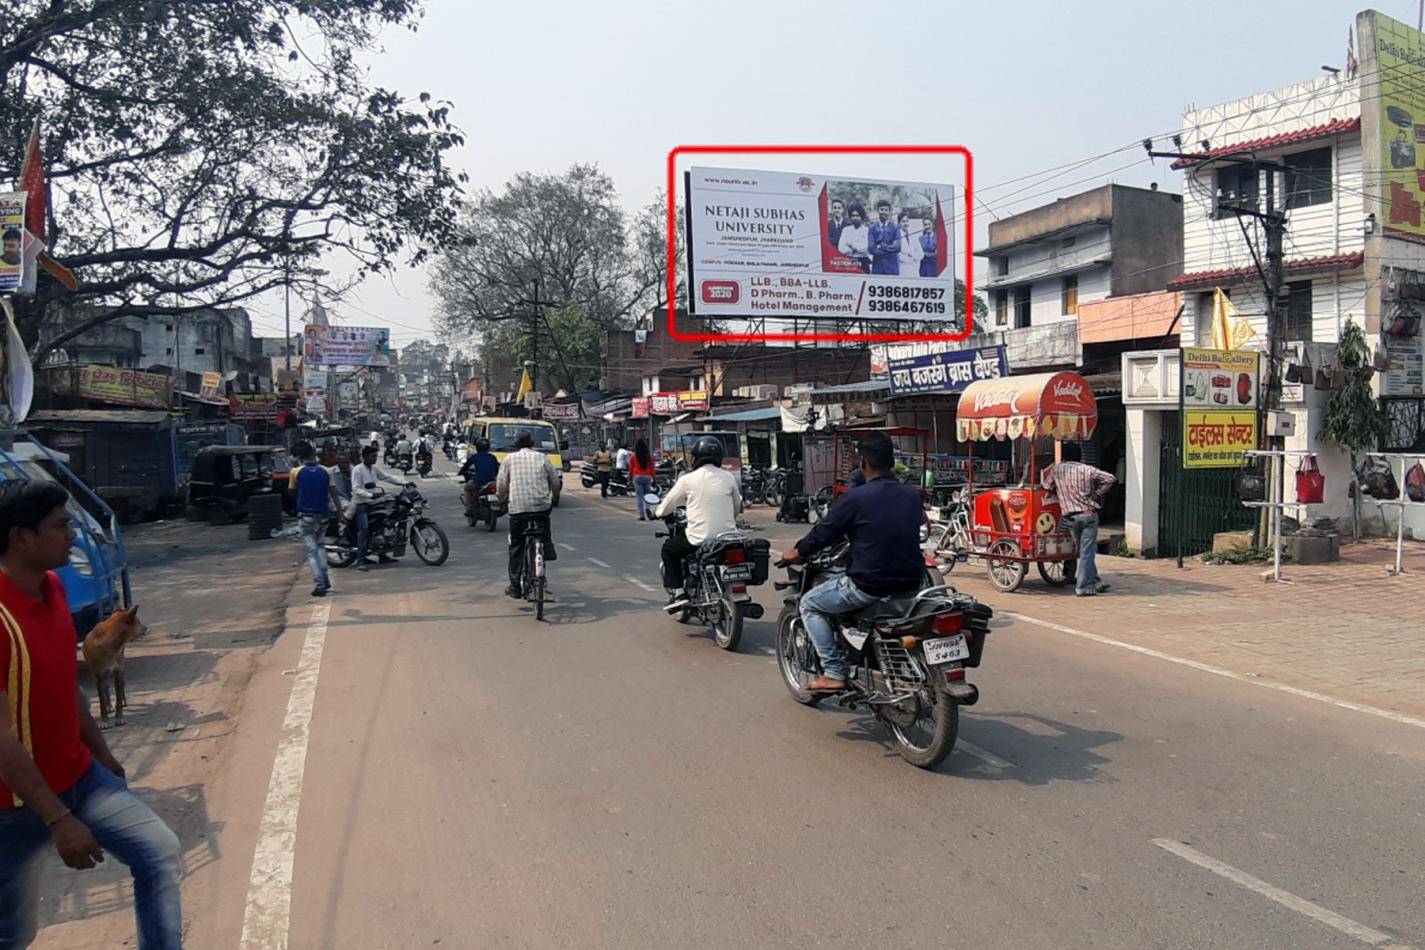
(948, 372)
(1213, 438)
(124, 387)
(346, 346)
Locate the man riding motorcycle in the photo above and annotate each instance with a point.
(367, 473)
(882, 520)
(405, 452)
(529, 486)
(712, 499)
(479, 470)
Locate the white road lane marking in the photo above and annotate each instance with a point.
(1217, 671)
(637, 583)
(566, 545)
(1287, 899)
(594, 560)
(989, 758)
(269, 889)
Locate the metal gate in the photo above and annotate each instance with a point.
(1193, 504)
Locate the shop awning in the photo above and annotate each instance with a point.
(866, 390)
(1060, 405)
(765, 414)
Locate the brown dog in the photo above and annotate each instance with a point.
(104, 652)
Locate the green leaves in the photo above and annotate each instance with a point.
(1354, 418)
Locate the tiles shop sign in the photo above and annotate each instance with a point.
(946, 372)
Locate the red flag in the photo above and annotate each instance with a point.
(32, 180)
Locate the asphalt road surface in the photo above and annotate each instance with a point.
(610, 778)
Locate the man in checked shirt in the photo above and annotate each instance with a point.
(1080, 489)
(530, 486)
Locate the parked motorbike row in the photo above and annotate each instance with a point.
(908, 654)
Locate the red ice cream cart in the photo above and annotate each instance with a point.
(1011, 526)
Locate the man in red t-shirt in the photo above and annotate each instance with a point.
(59, 783)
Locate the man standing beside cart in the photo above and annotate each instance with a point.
(1080, 489)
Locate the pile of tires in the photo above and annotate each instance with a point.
(264, 516)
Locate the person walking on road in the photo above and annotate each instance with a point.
(317, 503)
(603, 468)
(1080, 489)
(640, 469)
(621, 459)
(59, 782)
(530, 486)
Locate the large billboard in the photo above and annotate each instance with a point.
(346, 346)
(792, 245)
(1400, 55)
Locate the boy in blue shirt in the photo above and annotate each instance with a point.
(317, 502)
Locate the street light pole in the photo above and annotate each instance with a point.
(287, 311)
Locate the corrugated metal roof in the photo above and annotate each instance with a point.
(747, 415)
(1310, 265)
(142, 416)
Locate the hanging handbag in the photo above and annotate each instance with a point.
(1415, 483)
(1310, 483)
(1250, 484)
(1380, 360)
(1377, 480)
(1293, 373)
(1323, 378)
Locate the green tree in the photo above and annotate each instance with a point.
(202, 153)
(570, 347)
(1354, 418)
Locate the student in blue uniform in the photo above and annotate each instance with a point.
(885, 240)
(930, 248)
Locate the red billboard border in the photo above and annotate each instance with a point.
(672, 289)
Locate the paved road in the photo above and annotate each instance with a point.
(612, 779)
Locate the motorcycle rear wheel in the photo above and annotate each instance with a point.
(433, 552)
(927, 749)
(793, 675)
(340, 555)
(727, 624)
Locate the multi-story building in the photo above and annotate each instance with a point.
(1335, 155)
(1043, 264)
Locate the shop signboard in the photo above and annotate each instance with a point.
(1217, 401)
(792, 244)
(346, 346)
(211, 382)
(1399, 51)
(663, 404)
(639, 407)
(254, 406)
(561, 411)
(693, 400)
(1220, 379)
(124, 387)
(12, 240)
(1213, 438)
(947, 372)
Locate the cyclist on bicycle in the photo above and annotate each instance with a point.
(529, 485)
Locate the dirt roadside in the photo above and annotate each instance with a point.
(214, 602)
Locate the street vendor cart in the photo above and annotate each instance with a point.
(1010, 526)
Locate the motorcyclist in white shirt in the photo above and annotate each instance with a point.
(712, 500)
(367, 473)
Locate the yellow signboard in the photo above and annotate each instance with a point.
(1213, 438)
(1220, 379)
(124, 387)
(1399, 52)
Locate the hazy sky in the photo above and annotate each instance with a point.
(1027, 86)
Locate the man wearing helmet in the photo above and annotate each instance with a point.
(479, 470)
(712, 500)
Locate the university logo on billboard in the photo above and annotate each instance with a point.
(721, 292)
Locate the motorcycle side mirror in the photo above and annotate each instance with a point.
(651, 499)
(369, 485)
(564, 445)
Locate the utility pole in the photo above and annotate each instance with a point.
(287, 311)
(534, 340)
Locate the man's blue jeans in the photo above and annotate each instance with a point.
(838, 595)
(363, 534)
(125, 828)
(1083, 527)
(313, 529)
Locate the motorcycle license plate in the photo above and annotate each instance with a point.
(946, 650)
(738, 572)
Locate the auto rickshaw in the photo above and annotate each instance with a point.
(226, 477)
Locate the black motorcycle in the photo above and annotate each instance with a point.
(618, 480)
(391, 520)
(449, 448)
(486, 507)
(405, 461)
(424, 463)
(907, 654)
(716, 578)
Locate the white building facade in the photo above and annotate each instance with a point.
(1339, 267)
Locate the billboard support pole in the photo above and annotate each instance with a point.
(287, 312)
